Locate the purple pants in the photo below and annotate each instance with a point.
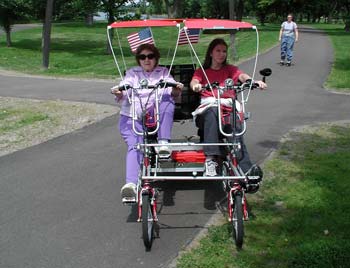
(133, 156)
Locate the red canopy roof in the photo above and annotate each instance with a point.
(216, 24)
(144, 23)
(204, 24)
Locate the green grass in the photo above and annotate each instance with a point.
(14, 119)
(340, 75)
(80, 51)
(301, 216)
(26, 122)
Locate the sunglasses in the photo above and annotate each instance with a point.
(143, 56)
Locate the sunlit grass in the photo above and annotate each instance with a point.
(340, 74)
(13, 119)
(26, 122)
(301, 217)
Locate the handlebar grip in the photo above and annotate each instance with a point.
(210, 86)
(124, 87)
(121, 88)
(170, 84)
(248, 84)
(167, 84)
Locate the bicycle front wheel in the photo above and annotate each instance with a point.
(147, 221)
(237, 220)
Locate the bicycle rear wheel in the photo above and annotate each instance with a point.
(237, 220)
(147, 222)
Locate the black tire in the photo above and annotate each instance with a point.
(237, 221)
(147, 222)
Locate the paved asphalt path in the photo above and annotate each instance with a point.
(60, 203)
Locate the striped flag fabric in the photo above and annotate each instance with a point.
(193, 35)
(142, 37)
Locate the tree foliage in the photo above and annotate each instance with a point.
(111, 8)
(12, 11)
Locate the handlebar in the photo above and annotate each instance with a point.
(163, 83)
(229, 85)
(144, 84)
(134, 92)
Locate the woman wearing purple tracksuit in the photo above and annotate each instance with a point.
(147, 57)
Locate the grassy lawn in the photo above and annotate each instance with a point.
(301, 216)
(80, 51)
(340, 75)
(25, 122)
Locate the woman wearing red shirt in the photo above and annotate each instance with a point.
(218, 70)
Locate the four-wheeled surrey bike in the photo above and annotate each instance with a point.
(186, 162)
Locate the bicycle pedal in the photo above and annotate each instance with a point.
(253, 178)
(129, 200)
(164, 156)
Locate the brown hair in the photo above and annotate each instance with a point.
(149, 47)
(212, 45)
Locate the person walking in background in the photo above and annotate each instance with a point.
(288, 35)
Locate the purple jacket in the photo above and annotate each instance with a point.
(132, 78)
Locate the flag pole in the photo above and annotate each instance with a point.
(154, 41)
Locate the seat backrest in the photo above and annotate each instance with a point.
(189, 100)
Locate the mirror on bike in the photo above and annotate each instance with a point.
(265, 72)
(143, 83)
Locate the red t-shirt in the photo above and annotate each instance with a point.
(227, 71)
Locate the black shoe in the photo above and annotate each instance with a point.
(289, 64)
(281, 62)
(254, 184)
(255, 170)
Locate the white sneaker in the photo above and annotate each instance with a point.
(163, 151)
(210, 168)
(128, 192)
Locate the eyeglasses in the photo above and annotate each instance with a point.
(143, 56)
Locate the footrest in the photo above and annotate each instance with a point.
(129, 200)
(254, 178)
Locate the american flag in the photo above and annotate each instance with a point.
(142, 37)
(193, 35)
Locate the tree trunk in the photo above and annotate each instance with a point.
(167, 6)
(347, 25)
(232, 15)
(178, 8)
(89, 19)
(240, 9)
(8, 38)
(7, 27)
(232, 11)
(47, 33)
(111, 19)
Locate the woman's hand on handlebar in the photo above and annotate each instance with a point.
(117, 93)
(118, 90)
(197, 87)
(254, 84)
(177, 89)
(262, 85)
